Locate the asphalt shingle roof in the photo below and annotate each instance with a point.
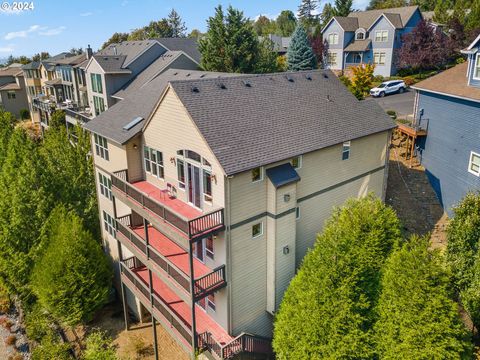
(358, 45)
(188, 45)
(139, 103)
(367, 18)
(129, 49)
(111, 63)
(276, 117)
(347, 23)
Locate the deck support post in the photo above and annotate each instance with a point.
(154, 322)
(145, 229)
(122, 287)
(192, 293)
(412, 150)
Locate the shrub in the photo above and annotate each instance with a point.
(11, 340)
(460, 60)
(99, 347)
(137, 346)
(16, 356)
(409, 81)
(38, 324)
(378, 78)
(362, 80)
(5, 303)
(345, 80)
(51, 349)
(24, 114)
(328, 309)
(391, 113)
(417, 318)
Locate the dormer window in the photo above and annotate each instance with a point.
(476, 70)
(360, 36)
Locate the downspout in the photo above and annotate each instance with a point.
(228, 238)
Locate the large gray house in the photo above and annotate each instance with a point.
(369, 37)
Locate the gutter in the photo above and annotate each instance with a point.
(446, 94)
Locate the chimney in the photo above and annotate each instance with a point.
(89, 52)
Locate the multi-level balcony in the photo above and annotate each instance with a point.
(176, 316)
(171, 262)
(180, 221)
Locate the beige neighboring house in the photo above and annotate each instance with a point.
(13, 93)
(212, 188)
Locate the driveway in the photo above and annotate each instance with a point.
(402, 104)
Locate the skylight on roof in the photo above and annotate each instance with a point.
(132, 123)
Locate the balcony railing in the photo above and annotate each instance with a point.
(244, 343)
(203, 286)
(80, 114)
(158, 304)
(192, 228)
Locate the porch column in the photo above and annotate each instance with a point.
(192, 293)
(154, 322)
(361, 58)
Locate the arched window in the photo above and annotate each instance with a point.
(360, 36)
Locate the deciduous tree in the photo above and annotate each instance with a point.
(328, 310)
(286, 23)
(116, 38)
(362, 80)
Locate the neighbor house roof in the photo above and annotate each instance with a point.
(359, 45)
(129, 49)
(10, 86)
(453, 82)
(72, 60)
(34, 65)
(112, 63)
(255, 120)
(150, 72)
(9, 71)
(347, 23)
(139, 103)
(188, 45)
(367, 18)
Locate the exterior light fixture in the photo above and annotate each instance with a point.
(286, 250)
(286, 197)
(172, 160)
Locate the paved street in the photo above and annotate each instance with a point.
(401, 103)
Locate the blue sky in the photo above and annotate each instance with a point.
(56, 26)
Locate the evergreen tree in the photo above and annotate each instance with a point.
(267, 58)
(7, 121)
(230, 44)
(24, 207)
(343, 7)
(306, 13)
(176, 24)
(417, 318)
(300, 55)
(72, 276)
(327, 13)
(328, 310)
(286, 23)
(69, 173)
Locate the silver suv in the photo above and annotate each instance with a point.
(388, 87)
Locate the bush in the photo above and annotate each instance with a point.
(417, 318)
(5, 303)
(409, 80)
(137, 346)
(51, 349)
(24, 114)
(362, 80)
(378, 78)
(328, 309)
(391, 113)
(460, 60)
(16, 356)
(99, 347)
(11, 340)
(38, 324)
(345, 80)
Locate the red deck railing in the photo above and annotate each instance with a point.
(203, 286)
(192, 228)
(244, 343)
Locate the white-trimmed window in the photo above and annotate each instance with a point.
(474, 163)
(108, 223)
(381, 35)
(209, 251)
(211, 302)
(332, 58)
(333, 39)
(297, 162)
(476, 69)
(257, 230)
(379, 58)
(346, 150)
(101, 147)
(96, 83)
(105, 186)
(257, 174)
(360, 36)
(181, 174)
(11, 95)
(297, 213)
(207, 186)
(153, 162)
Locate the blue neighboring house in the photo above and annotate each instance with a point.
(369, 37)
(448, 106)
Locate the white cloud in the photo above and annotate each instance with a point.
(89, 13)
(6, 49)
(53, 31)
(22, 33)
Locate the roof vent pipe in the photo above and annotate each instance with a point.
(329, 99)
(89, 52)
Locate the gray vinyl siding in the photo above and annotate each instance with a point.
(334, 27)
(384, 47)
(453, 130)
(471, 80)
